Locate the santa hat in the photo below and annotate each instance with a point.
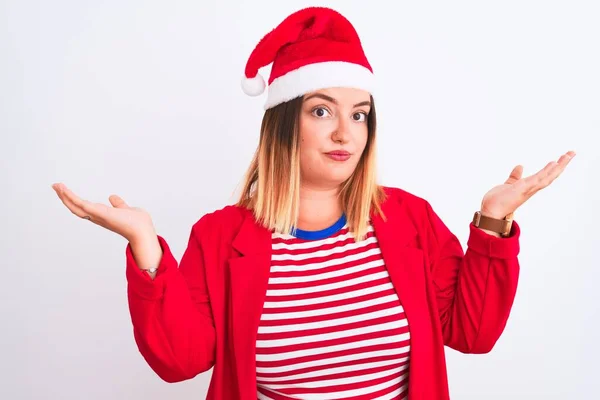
(313, 48)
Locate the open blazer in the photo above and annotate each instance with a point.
(206, 312)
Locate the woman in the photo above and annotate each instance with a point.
(319, 283)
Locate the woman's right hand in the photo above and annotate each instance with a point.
(133, 223)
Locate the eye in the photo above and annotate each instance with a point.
(360, 116)
(320, 112)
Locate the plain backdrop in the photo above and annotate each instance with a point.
(143, 99)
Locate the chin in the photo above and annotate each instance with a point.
(327, 174)
(337, 178)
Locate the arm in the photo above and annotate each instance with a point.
(475, 290)
(172, 320)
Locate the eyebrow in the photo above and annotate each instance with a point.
(334, 101)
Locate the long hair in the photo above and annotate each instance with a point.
(272, 182)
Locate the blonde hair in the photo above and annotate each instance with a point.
(272, 182)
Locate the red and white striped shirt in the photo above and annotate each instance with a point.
(332, 325)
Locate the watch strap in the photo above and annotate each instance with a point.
(501, 226)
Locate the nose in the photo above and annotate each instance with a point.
(342, 131)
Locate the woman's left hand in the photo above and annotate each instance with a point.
(503, 200)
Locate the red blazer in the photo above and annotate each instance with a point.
(206, 312)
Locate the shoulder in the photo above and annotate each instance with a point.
(222, 221)
(397, 197)
(419, 211)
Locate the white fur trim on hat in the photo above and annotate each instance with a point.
(317, 76)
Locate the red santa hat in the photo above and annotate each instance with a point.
(313, 48)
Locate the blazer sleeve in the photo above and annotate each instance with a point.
(475, 290)
(171, 315)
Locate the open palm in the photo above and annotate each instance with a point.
(504, 199)
(129, 222)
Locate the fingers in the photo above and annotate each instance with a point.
(535, 182)
(60, 191)
(515, 174)
(548, 174)
(88, 208)
(557, 168)
(81, 208)
(117, 202)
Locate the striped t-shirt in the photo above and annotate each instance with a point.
(332, 325)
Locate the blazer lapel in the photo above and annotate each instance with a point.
(249, 275)
(396, 236)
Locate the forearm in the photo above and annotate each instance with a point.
(476, 306)
(147, 253)
(475, 290)
(173, 328)
(482, 301)
(175, 338)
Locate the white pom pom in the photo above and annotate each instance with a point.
(253, 86)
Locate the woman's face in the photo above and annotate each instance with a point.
(333, 135)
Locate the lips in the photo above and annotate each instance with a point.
(338, 155)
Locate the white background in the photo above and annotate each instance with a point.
(143, 99)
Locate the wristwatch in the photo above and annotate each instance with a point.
(501, 226)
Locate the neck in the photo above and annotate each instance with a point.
(319, 207)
